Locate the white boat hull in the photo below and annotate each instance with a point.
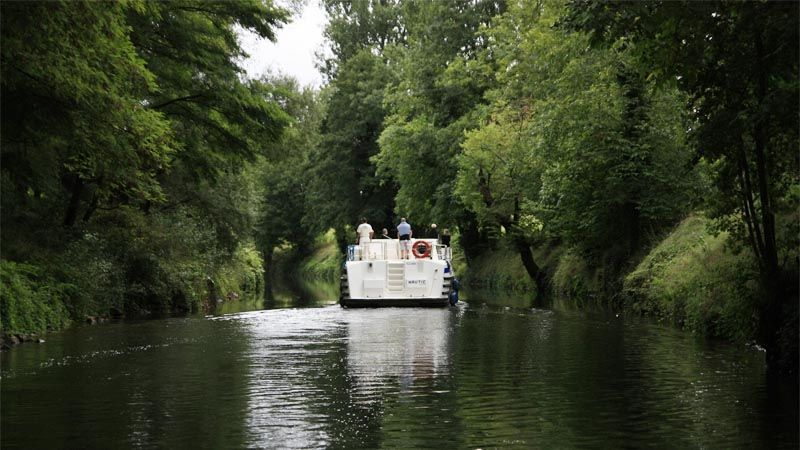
(397, 282)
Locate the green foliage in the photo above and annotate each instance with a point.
(574, 142)
(358, 25)
(342, 181)
(283, 183)
(693, 279)
(242, 273)
(325, 263)
(129, 138)
(442, 74)
(574, 279)
(733, 61)
(71, 116)
(28, 303)
(191, 48)
(499, 269)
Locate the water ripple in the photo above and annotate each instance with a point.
(474, 376)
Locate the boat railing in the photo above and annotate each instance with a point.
(389, 249)
(377, 249)
(444, 252)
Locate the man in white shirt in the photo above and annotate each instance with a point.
(364, 234)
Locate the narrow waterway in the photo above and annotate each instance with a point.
(474, 376)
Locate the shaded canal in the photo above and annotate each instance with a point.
(475, 376)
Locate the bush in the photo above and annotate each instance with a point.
(243, 272)
(29, 304)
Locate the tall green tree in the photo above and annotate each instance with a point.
(128, 132)
(284, 181)
(220, 120)
(74, 111)
(576, 147)
(738, 63)
(343, 185)
(442, 72)
(355, 25)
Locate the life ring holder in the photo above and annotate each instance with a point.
(420, 253)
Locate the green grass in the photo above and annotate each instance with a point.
(693, 279)
(574, 280)
(500, 269)
(325, 263)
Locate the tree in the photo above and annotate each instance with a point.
(576, 148)
(284, 181)
(191, 48)
(343, 185)
(443, 72)
(738, 63)
(360, 25)
(74, 116)
(122, 121)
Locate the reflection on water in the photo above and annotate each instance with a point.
(407, 344)
(472, 376)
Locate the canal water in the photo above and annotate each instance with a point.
(479, 375)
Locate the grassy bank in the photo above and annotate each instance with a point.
(325, 263)
(691, 279)
(695, 280)
(499, 269)
(35, 300)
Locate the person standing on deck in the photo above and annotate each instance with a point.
(444, 239)
(432, 232)
(364, 232)
(384, 234)
(404, 234)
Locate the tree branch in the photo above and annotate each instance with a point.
(175, 100)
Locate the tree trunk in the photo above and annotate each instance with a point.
(749, 209)
(74, 202)
(525, 253)
(533, 269)
(771, 311)
(92, 208)
(522, 245)
(267, 253)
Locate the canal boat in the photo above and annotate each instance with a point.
(374, 274)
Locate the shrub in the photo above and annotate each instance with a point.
(29, 304)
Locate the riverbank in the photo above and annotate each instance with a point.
(693, 279)
(39, 298)
(323, 263)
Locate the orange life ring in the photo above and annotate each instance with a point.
(422, 249)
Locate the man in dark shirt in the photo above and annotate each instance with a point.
(444, 239)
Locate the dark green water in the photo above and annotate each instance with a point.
(474, 376)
